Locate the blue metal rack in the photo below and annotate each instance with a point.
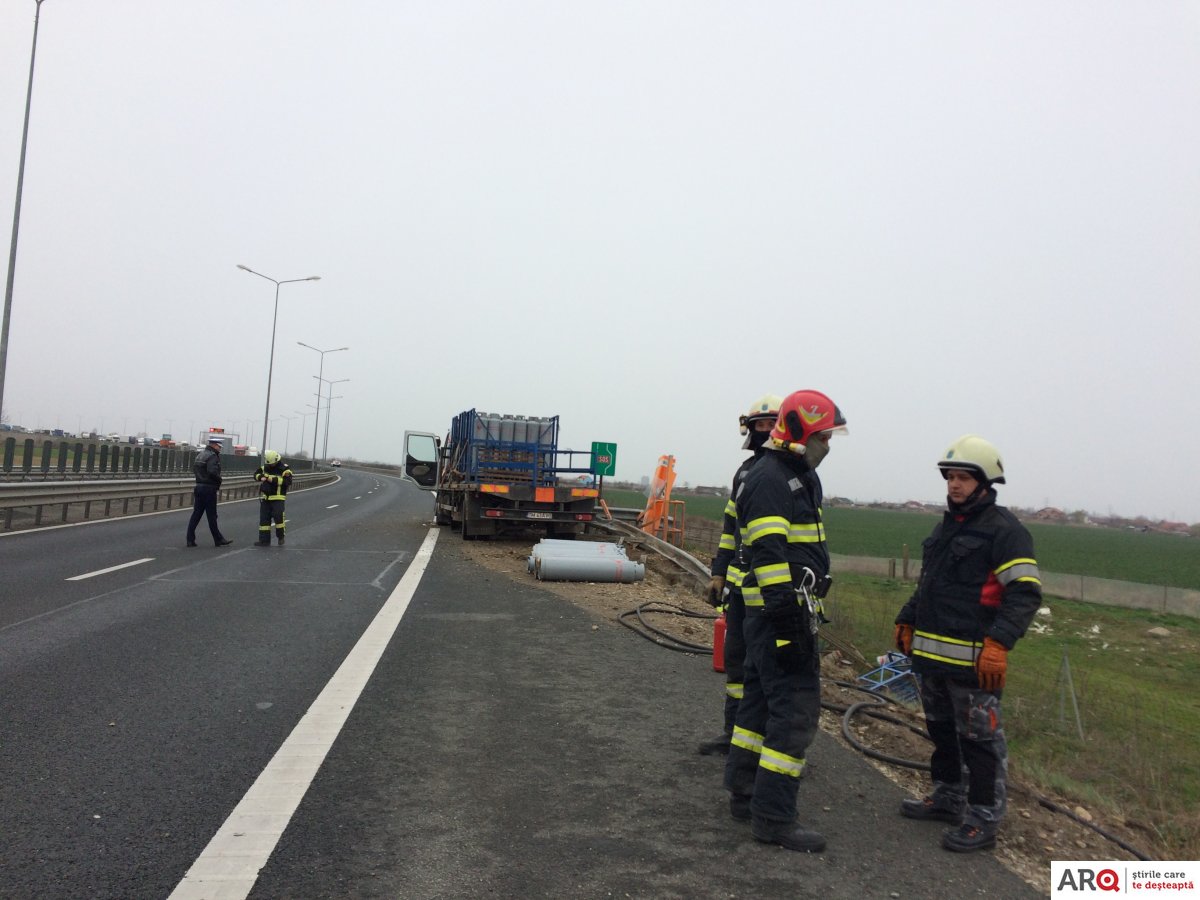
(893, 677)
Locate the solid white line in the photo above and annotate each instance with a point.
(136, 562)
(229, 865)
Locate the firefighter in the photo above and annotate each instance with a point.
(725, 588)
(978, 591)
(779, 519)
(274, 477)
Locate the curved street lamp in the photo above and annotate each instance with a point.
(274, 320)
(317, 420)
(12, 250)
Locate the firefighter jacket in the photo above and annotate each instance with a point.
(978, 579)
(274, 481)
(207, 467)
(728, 562)
(779, 520)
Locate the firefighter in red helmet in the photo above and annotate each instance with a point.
(778, 510)
(978, 591)
(728, 568)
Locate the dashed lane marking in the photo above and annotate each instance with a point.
(136, 562)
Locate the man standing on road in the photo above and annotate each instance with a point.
(274, 477)
(979, 589)
(779, 518)
(207, 469)
(729, 568)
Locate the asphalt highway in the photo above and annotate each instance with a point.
(367, 713)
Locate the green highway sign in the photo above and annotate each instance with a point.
(604, 458)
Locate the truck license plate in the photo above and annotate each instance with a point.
(539, 515)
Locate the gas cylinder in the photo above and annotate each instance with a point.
(719, 643)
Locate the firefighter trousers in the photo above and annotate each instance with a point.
(965, 725)
(735, 655)
(270, 511)
(776, 722)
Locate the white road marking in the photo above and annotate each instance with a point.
(335, 506)
(359, 497)
(136, 562)
(228, 867)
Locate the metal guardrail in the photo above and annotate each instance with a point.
(65, 495)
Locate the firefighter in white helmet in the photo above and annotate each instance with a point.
(978, 591)
(779, 517)
(728, 568)
(274, 477)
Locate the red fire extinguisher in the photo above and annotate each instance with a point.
(719, 643)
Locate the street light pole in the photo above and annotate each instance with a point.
(274, 321)
(328, 403)
(321, 370)
(12, 250)
(287, 434)
(303, 426)
(328, 415)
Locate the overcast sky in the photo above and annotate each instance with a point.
(639, 216)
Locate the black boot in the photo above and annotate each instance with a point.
(739, 807)
(714, 746)
(279, 538)
(933, 808)
(789, 835)
(968, 838)
(264, 540)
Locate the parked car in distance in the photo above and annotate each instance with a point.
(335, 462)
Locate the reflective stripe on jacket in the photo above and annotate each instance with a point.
(274, 481)
(727, 548)
(979, 578)
(779, 520)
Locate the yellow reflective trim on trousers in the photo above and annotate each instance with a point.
(776, 573)
(774, 761)
(734, 690)
(746, 739)
(762, 527)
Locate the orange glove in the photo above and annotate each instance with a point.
(991, 665)
(904, 636)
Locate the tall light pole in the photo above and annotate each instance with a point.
(12, 250)
(328, 415)
(287, 434)
(303, 425)
(328, 403)
(274, 320)
(321, 370)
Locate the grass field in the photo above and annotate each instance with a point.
(1100, 552)
(1138, 710)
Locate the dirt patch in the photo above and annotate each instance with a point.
(1032, 834)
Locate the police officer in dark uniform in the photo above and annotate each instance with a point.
(728, 569)
(207, 469)
(779, 519)
(979, 589)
